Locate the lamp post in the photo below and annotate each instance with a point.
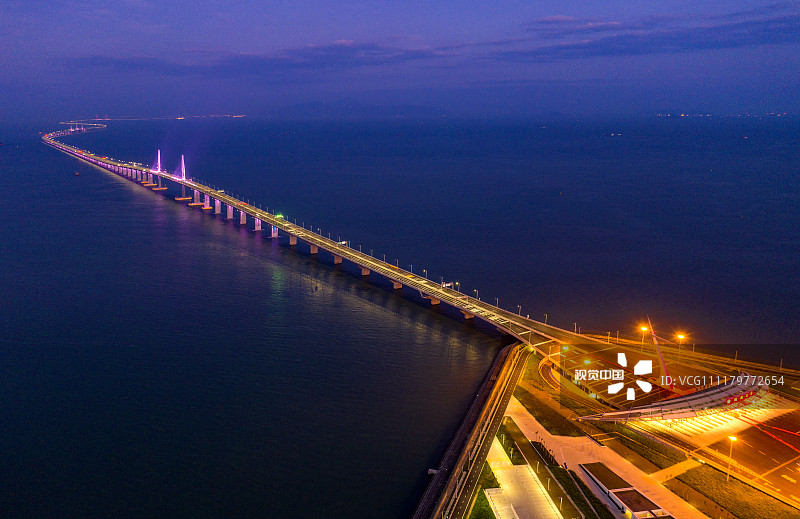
(730, 458)
(497, 302)
(545, 318)
(644, 329)
(680, 343)
(477, 296)
(519, 310)
(425, 273)
(458, 286)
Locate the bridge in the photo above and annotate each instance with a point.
(532, 333)
(565, 353)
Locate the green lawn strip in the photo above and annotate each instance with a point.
(574, 493)
(487, 479)
(549, 418)
(659, 454)
(737, 497)
(481, 509)
(509, 446)
(532, 375)
(598, 505)
(543, 469)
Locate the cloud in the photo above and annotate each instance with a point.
(564, 37)
(550, 39)
(584, 39)
(336, 56)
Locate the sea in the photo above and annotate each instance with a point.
(159, 361)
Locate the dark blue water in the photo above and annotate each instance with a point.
(692, 222)
(156, 361)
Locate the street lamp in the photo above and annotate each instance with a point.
(497, 302)
(425, 273)
(476, 294)
(644, 329)
(680, 338)
(730, 458)
(519, 310)
(545, 318)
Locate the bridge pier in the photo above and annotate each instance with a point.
(364, 272)
(138, 175)
(217, 205)
(292, 239)
(258, 224)
(242, 217)
(314, 249)
(467, 315)
(230, 212)
(183, 194)
(207, 205)
(196, 199)
(396, 285)
(433, 300)
(337, 260)
(274, 233)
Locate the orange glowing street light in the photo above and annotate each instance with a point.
(680, 338)
(730, 458)
(644, 329)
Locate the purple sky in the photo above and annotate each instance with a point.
(506, 57)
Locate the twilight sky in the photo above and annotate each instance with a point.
(79, 58)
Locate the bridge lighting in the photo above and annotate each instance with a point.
(565, 348)
(680, 338)
(587, 361)
(279, 215)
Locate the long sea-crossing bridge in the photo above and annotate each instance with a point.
(564, 353)
(534, 334)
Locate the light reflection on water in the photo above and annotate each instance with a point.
(159, 362)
